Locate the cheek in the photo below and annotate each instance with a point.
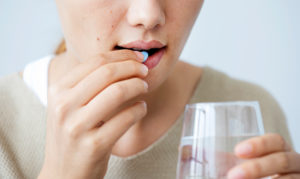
(179, 24)
(182, 20)
(87, 24)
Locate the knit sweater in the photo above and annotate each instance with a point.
(23, 128)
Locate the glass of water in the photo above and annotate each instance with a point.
(210, 133)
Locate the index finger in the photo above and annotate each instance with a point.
(262, 145)
(83, 69)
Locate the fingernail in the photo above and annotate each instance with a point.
(236, 173)
(244, 149)
(145, 104)
(139, 55)
(146, 84)
(144, 69)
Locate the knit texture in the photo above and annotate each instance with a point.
(23, 128)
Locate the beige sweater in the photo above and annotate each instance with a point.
(23, 128)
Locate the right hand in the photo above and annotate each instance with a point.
(84, 114)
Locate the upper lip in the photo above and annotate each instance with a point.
(143, 45)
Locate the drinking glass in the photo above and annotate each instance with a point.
(210, 133)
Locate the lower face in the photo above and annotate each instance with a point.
(92, 27)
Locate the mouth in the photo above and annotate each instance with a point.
(150, 52)
(155, 50)
(154, 55)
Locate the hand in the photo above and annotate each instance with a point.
(268, 155)
(86, 114)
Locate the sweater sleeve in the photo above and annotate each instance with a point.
(8, 163)
(9, 167)
(22, 130)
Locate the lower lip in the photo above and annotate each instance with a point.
(154, 59)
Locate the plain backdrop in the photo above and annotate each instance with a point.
(253, 40)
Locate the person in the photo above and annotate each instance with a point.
(96, 110)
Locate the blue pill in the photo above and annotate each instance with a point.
(145, 56)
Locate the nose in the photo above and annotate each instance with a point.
(146, 13)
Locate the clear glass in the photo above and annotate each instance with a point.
(210, 133)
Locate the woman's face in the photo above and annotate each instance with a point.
(92, 27)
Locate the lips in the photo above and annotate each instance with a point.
(143, 45)
(155, 50)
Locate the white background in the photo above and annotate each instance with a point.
(254, 40)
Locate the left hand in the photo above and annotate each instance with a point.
(268, 155)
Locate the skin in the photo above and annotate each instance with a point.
(123, 104)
